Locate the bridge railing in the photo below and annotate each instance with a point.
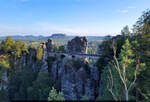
(94, 55)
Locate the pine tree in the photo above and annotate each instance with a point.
(54, 96)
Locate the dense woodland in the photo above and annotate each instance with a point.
(123, 67)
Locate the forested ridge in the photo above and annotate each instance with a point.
(123, 68)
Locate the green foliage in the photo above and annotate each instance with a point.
(60, 48)
(141, 31)
(117, 87)
(126, 54)
(19, 81)
(12, 51)
(143, 85)
(21, 48)
(125, 31)
(112, 78)
(39, 54)
(40, 88)
(107, 51)
(7, 46)
(4, 64)
(54, 96)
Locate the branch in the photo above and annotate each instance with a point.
(117, 64)
(118, 67)
(111, 85)
(135, 75)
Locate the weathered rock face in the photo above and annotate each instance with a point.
(78, 45)
(28, 60)
(75, 82)
(44, 67)
(4, 81)
(49, 45)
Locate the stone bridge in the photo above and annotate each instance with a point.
(92, 57)
(77, 48)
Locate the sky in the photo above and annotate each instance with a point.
(73, 17)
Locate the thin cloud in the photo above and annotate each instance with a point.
(131, 7)
(123, 11)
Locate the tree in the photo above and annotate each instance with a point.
(107, 50)
(142, 34)
(145, 53)
(39, 54)
(21, 48)
(139, 25)
(125, 31)
(126, 70)
(106, 53)
(40, 87)
(54, 96)
(7, 45)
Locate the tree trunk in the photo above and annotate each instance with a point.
(127, 98)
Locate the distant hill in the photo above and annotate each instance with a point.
(18, 37)
(59, 36)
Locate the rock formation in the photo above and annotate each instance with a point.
(77, 77)
(44, 67)
(76, 81)
(49, 45)
(78, 45)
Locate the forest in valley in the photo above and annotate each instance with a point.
(123, 67)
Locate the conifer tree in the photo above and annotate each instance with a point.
(54, 96)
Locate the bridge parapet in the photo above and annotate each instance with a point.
(91, 57)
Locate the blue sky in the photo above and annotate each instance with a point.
(78, 17)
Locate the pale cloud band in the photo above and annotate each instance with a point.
(131, 7)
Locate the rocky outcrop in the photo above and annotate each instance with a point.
(78, 45)
(78, 77)
(44, 67)
(76, 81)
(50, 45)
